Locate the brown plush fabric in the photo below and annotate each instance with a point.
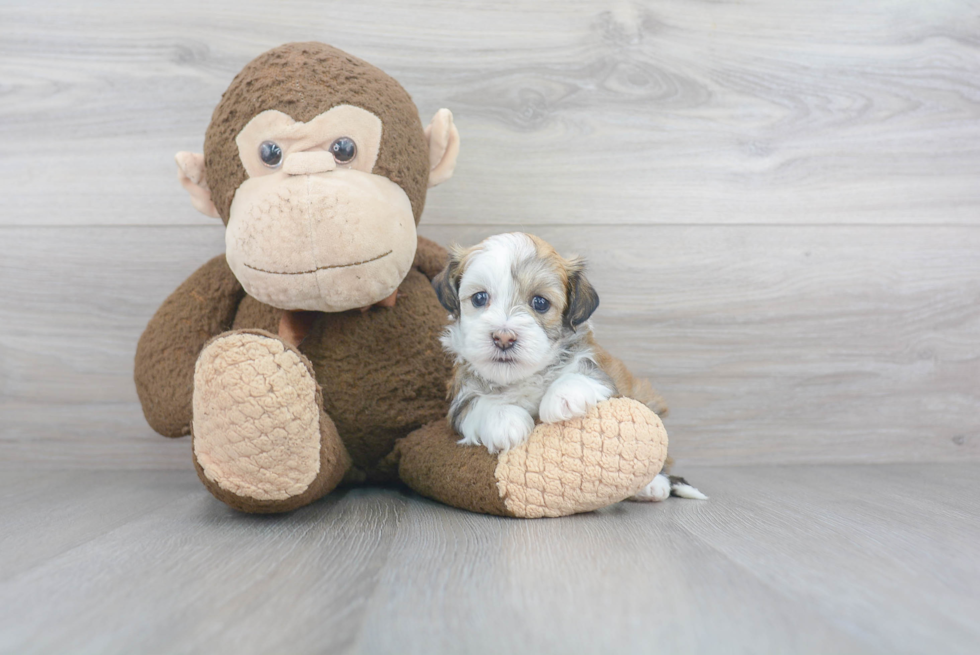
(430, 257)
(253, 314)
(200, 308)
(383, 371)
(434, 465)
(304, 80)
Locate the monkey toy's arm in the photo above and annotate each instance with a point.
(202, 307)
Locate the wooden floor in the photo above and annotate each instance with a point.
(809, 559)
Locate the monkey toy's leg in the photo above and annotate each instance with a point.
(564, 468)
(262, 442)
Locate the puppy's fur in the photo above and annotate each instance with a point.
(523, 345)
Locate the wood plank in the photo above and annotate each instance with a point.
(88, 435)
(48, 513)
(771, 344)
(782, 559)
(195, 576)
(625, 579)
(584, 112)
(75, 303)
(888, 553)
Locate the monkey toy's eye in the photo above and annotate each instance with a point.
(480, 298)
(270, 153)
(540, 305)
(344, 149)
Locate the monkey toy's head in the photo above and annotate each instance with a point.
(318, 165)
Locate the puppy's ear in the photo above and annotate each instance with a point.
(446, 283)
(582, 297)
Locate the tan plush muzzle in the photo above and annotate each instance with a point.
(329, 242)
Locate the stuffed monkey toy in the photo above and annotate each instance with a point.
(308, 354)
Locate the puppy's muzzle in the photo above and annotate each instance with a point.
(504, 339)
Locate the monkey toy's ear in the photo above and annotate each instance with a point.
(443, 138)
(190, 172)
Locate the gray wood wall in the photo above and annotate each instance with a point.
(780, 201)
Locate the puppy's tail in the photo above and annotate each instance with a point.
(627, 384)
(682, 489)
(642, 390)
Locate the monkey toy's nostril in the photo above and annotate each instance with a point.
(504, 339)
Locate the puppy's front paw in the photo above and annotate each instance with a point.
(498, 427)
(570, 396)
(656, 491)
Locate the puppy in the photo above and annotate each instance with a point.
(523, 346)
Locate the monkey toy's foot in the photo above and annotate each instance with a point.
(262, 442)
(579, 465)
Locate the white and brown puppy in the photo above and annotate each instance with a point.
(523, 346)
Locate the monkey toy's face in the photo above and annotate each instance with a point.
(312, 227)
(318, 216)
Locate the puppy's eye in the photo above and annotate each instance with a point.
(270, 153)
(344, 149)
(540, 305)
(480, 298)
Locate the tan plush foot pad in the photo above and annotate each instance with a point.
(585, 463)
(257, 423)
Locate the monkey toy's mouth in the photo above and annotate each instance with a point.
(319, 268)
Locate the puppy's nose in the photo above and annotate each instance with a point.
(504, 339)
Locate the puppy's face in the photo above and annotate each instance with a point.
(514, 300)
